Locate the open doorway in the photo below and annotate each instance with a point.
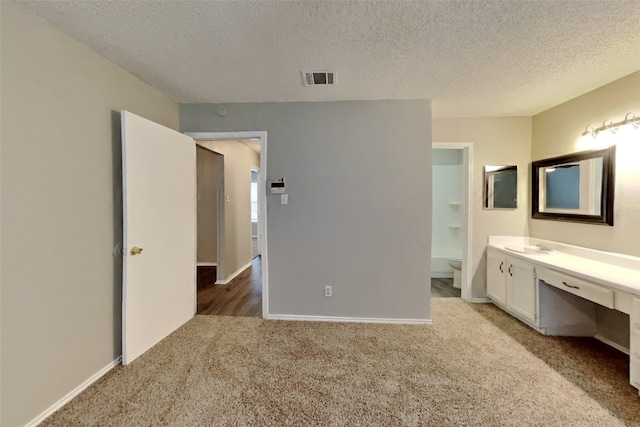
(452, 220)
(238, 286)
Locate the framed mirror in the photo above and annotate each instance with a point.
(501, 187)
(575, 187)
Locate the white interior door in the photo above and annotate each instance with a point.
(159, 192)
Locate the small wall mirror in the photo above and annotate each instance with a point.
(576, 187)
(501, 187)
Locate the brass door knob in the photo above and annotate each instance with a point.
(136, 250)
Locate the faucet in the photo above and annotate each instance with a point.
(544, 247)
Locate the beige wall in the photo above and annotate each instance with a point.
(238, 161)
(558, 131)
(61, 202)
(496, 141)
(208, 193)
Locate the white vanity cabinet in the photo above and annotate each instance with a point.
(496, 278)
(558, 293)
(634, 353)
(521, 289)
(511, 283)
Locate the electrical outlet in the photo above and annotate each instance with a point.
(327, 291)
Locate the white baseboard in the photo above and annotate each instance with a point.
(611, 343)
(234, 275)
(296, 317)
(73, 393)
(206, 264)
(441, 275)
(479, 300)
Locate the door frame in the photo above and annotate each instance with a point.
(259, 173)
(262, 197)
(467, 247)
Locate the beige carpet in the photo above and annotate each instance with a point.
(475, 366)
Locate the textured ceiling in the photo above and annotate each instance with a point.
(472, 58)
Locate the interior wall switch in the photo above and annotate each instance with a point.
(284, 199)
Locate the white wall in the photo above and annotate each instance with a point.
(496, 141)
(238, 161)
(61, 210)
(352, 169)
(448, 177)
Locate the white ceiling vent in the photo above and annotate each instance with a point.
(318, 78)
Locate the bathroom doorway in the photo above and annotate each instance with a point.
(452, 214)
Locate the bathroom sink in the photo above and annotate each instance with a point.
(534, 250)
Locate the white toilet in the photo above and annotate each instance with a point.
(456, 264)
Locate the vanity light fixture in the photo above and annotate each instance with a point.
(629, 119)
(590, 130)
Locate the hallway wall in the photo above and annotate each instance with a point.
(207, 181)
(238, 161)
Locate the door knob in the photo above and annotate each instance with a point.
(136, 250)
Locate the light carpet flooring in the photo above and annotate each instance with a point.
(475, 366)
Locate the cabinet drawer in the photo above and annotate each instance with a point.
(591, 291)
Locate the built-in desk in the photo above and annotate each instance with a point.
(556, 293)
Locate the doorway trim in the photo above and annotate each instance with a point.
(467, 230)
(262, 197)
(258, 239)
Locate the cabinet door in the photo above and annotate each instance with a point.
(521, 289)
(496, 281)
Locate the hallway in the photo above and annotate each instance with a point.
(241, 297)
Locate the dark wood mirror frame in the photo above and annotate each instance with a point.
(608, 156)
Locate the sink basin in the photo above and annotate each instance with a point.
(534, 250)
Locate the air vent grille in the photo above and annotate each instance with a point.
(318, 78)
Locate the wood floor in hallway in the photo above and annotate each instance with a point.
(241, 297)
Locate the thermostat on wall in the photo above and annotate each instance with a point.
(277, 186)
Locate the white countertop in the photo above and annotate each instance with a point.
(603, 273)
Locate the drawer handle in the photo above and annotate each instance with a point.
(570, 286)
(501, 269)
(510, 273)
